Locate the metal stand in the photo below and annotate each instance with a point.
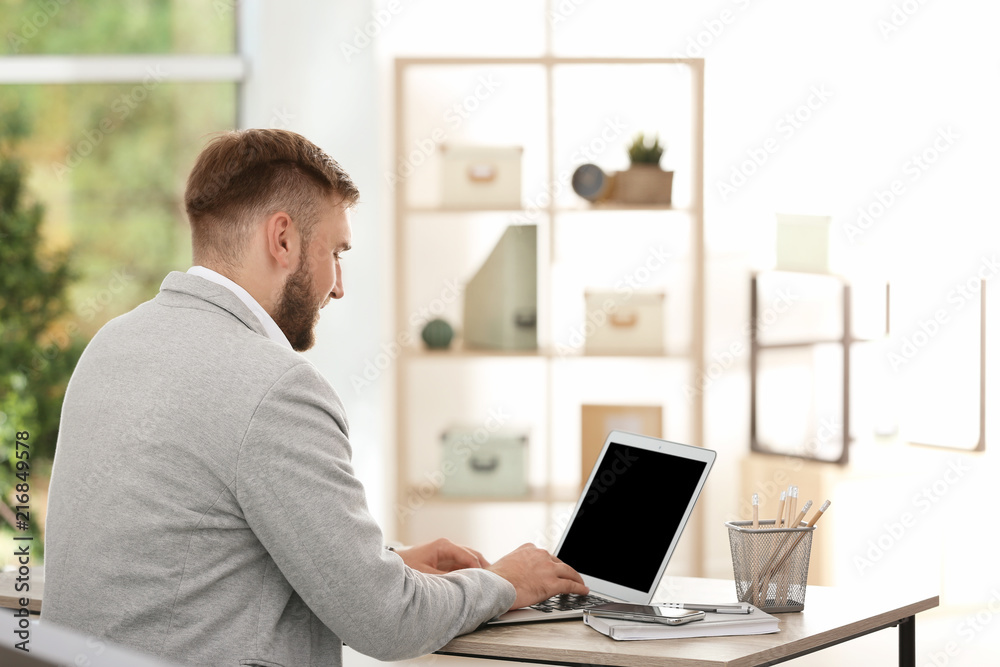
(846, 340)
(908, 642)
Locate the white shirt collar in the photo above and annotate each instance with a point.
(273, 331)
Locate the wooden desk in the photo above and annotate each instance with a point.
(831, 616)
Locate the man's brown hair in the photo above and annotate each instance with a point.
(242, 177)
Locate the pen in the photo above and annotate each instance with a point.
(756, 502)
(740, 608)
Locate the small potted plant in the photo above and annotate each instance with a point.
(644, 182)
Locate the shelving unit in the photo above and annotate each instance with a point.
(460, 351)
(547, 361)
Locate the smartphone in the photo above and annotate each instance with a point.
(645, 614)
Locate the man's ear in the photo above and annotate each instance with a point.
(282, 239)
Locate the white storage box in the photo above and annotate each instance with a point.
(625, 323)
(486, 176)
(476, 462)
(803, 243)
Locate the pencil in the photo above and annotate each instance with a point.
(783, 582)
(793, 500)
(781, 561)
(756, 502)
(824, 507)
(802, 513)
(774, 553)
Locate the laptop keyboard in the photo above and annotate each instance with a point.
(569, 602)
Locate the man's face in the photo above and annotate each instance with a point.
(316, 279)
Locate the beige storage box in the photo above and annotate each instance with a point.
(625, 323)
(803, 243)
(481, 176)
(478, 463)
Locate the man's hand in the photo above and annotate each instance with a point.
(537, 575)
(441, 556)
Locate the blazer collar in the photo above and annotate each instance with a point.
(198, 287)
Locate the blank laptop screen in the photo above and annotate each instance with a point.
(629, 515)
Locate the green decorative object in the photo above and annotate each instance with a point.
(644, 183)
(437, 334)
(641, 151)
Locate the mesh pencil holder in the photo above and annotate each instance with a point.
(770, 565)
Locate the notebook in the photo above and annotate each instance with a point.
(626, 523)
(756, 622)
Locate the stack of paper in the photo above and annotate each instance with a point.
(713, 625)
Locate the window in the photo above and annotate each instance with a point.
(106, 105)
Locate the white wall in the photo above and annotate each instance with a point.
(299, 80)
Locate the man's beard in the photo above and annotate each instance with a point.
(296, 312)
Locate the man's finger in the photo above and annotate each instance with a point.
(458, 556)
(577, 589)
(482, 561)
(564, 571)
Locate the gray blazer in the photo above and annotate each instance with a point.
(203, 507)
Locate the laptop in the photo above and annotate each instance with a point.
(626, 524)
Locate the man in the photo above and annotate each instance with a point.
(203, 507)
